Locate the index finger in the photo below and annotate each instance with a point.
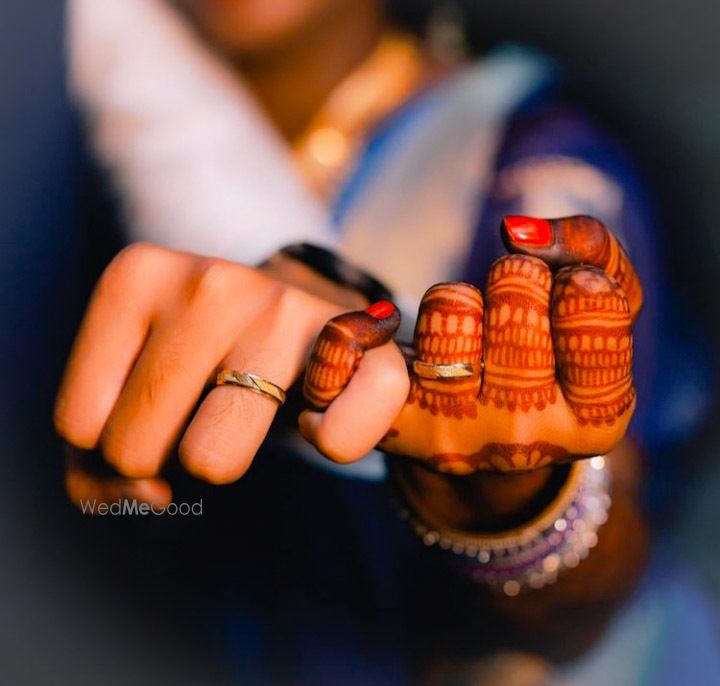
(567, 241)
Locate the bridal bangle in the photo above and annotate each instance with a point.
(535, 554)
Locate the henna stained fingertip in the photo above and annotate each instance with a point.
(340, 347)
(593, 344)
(579, 239)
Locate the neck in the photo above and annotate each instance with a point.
(294, 81)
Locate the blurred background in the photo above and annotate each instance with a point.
(75, 590)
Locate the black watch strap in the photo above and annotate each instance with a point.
(336, 269)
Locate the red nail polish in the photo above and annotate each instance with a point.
(382, 309)
(529, 231)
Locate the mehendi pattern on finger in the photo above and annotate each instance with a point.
(501, 457)
(604, 251)
(579, 239)
(557, 371)
(593, 344)
(620, 268)
(340, 347)
(449, 331)
(460, 402)
(519, 359)
(332, 363)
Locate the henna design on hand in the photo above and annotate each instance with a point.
(449, 331)
(340, 347)
(557, 352)
(519, 360)
(503, 457)
(593, 344)
(574, 240)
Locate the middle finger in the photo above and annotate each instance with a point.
(232, 422)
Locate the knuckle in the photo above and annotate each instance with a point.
(287, 302)
(72, 430)
(128, 267)
(210, 465)
(213, 279)
(126, 456)
(586, 280)
(292, 300)
(586, 296)
(133, 258)
(291, 312)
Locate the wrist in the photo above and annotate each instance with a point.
(531, 553)
(483, 501)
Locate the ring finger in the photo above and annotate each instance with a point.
(232, 422)
(170, 374)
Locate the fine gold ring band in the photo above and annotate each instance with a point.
(253, 382)
(459, 370)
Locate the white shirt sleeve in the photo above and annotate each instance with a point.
(195, 161)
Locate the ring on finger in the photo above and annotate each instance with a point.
(458, 370)
(253, 382)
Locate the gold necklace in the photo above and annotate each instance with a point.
(325, 151)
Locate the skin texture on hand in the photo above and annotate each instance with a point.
(139, 381)
(557, 353)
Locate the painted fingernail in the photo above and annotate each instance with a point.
(381, 309)
(529, 231)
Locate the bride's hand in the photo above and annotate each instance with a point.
(549, 358)
(159, 325)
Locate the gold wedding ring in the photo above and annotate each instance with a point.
(459, 370)
(253, 382)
